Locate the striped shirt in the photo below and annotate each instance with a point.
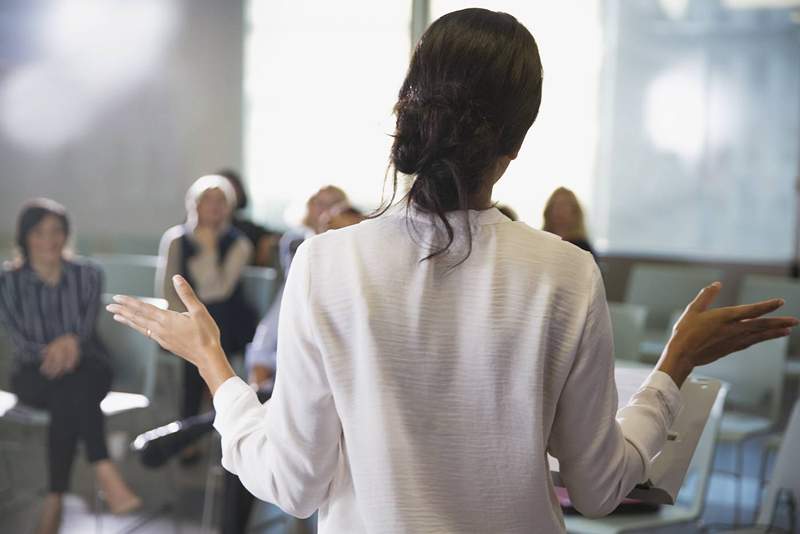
(34, 313)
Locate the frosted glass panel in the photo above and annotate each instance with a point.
(321, 79)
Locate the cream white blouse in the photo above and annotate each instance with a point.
(414, 396)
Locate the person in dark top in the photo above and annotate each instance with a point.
(211, 252)
(563, 216)
(48, 309)
(264, 240)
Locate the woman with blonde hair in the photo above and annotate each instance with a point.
(208, 250)
(563, 216)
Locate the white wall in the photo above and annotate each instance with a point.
(124, 174)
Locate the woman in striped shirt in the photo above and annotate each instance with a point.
(48, 307)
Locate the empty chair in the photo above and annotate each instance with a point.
(755, 376)
(259, 285)
(628, 327)
(782, 495)
(128, 274)
(691, 499)
(662, 289)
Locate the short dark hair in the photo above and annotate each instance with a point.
(235, 180)
(472, 91)
(32, 213)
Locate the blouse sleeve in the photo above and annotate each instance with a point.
(26, 350)
(603, 453)
(286, 451)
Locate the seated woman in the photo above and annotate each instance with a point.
(563, 216)
(264, 240)
(49, 306)
(211, 253)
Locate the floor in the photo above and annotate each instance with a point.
(174, 496)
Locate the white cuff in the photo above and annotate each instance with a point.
(225, 400)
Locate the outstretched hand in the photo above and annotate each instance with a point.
(193, 335)
(703, 335)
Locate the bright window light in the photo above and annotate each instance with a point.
(321, 79)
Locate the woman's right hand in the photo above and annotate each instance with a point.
(704, 335)
(193, 335)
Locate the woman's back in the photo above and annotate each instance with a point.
(445, 380)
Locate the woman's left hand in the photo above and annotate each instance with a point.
(193, 335)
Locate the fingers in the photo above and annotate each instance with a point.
(138, 314)
(768, 323)
(759, 337)
(751, 311)
(187, 295)
(705, 298)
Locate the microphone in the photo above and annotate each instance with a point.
(157, 446)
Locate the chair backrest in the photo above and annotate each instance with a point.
(695, 485)
(628, 326)
(757, 287)
(663, 289)
(259, 285)
(786, 473)
(133, 356)
(755, 377)
(129, 274)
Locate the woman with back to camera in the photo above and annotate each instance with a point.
(49, 307)
(212, 254)
(432, 356)
(563, 216)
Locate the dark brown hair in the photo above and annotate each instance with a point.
(236, 181)
(32, 213)
(471, 93)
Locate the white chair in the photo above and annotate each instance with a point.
(783, 490)
(259, 285)
(662, 289)
(755, 377)
(691, 499)
(628, 326)
(128, 274)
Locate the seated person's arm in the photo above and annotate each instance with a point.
(169, 252)
(215, 282)
(26, 348)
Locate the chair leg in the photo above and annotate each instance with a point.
(739, 481)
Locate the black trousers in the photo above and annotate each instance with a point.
(73, 401)
(193, 389)
(237, 503)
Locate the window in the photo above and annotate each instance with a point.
(321, 79)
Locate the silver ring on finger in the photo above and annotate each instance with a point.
(149, 332)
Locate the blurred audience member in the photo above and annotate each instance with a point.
(264, 240)
(211, 254)
(49, 307)
(563, 216)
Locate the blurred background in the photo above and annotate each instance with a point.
(675, 122)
